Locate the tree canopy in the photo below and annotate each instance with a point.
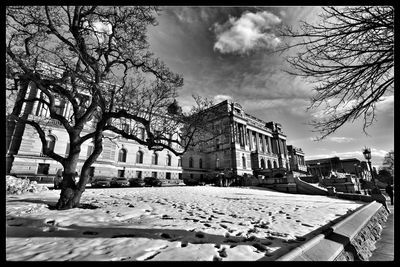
(349, 56)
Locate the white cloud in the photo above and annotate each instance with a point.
(250, 32)
(385, 103)
(219, 98)
(341, 139)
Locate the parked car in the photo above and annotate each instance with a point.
(136, 182)
(152, 181)
(101, 181)
(119, 181)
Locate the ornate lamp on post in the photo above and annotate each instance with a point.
(367, 155)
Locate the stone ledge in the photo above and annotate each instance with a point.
(343, 241)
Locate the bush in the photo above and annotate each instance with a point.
(17, 186)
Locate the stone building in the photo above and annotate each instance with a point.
(296, 159)
(249, 146)
(120, 157)
(325, 167)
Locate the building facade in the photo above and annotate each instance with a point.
(325, 167)
(120, 157)
(248, 146)
(296, 159)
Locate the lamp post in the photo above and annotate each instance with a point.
(367, 155)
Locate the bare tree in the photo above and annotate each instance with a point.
(96, 59)
(349, 55)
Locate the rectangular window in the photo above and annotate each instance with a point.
(168, 175)
(154, 174)
(138, 174)
(180, 176)
(43, 168)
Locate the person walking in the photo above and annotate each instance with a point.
(389, 191)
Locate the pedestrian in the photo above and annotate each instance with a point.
(379, 197)
(389, 191)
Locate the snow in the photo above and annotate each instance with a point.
(181, 223)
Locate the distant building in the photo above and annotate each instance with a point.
(325, 167)
(296, 159)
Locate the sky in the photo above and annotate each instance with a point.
(225, 53)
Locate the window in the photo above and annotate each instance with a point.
(275, 165)
(190, 162)
(43, 168)
(180, 176)
(154, 159)
(139, 157)
(168, 175)
(244, 161)
(179, 162)
(169, 159)
(269, 164)
(67, 149)
(59, 106)
(191, 176)
(154, 174)
(200, 163)
(122, 155)
(139, 174)
(50, 142)
(217, 144)
(121, 173)
(89, 151)
(262, 164)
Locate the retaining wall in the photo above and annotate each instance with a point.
(351, 239)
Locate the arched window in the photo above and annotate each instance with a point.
(122, 155)
(262, 164)
(190, 162)
(139, 157)
(200, 163)
(275, 165)
(169, 159)
(154, 159)
(269, 164)
(244, 161)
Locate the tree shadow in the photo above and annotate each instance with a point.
(42, 228)
(52, 204)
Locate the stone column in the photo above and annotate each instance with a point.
(257, 142)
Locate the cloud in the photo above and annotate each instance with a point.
(219, 98)
(341, 139)
(252, 31)
(385, 104)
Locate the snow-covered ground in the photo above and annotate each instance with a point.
(188, 223)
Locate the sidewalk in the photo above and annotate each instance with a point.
(385, 246)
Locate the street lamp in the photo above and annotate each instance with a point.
(367, 155)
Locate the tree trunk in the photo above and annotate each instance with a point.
(70, 195)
